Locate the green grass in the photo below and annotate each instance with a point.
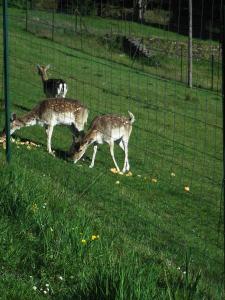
(164, 45)
(48, 205)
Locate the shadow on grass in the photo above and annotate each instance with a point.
(102, 288)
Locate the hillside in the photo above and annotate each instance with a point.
(89, 233)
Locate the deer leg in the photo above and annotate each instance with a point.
(49, 132)
(93, 157)
(46, 128)
(111, 146)
(121, 145)
(126, 166)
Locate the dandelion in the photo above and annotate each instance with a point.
(173, 174)
(94, 237)
(34, 207)
(34, 288)
(129, 174)
(45, 292)
(139, 175)
(117, 182)
(154, 180)
(113, 170)
(47, 285)
(187, 189)
(60, 278)
(84, 242)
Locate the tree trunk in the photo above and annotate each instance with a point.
(190, 46)
(139, 10)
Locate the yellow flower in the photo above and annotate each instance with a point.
(84, 242)
(154, 180)
(187, 189)
(34, 207)
(94, 237)
(129, 174)
(173, 174)
(113, 170)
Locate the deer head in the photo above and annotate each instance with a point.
(42, 71)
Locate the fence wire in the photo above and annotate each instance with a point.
(114, 57)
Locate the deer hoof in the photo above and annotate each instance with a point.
(52, 153)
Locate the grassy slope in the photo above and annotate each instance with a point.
(170, 60)
(159, 222)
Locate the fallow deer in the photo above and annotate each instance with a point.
(51, 112)
(53, 88)
(108, 129)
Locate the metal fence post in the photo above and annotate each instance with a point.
(26, 15)
(181, 63)
(212, 70)
(223, 103)
(6, 79)
(53, 23)
(81, 33)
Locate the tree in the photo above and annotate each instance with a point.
(190, 46)
(139, 10)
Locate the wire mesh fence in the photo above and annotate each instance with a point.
(119, 56)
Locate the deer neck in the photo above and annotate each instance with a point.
(29, 119)
(44, 77)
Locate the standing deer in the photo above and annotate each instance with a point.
(51, 112)
(108, 129)
(53, 88)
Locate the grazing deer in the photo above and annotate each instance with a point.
(53, 88)
(51, 112)
(109, 129)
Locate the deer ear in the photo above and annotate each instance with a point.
(47, 67)
(13, 117)
(38, 67)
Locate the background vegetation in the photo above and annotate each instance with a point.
(69, 232)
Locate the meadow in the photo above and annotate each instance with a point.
(70, 232)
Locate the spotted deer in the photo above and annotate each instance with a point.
(51, 112)
(53, 88)
(108, 129)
